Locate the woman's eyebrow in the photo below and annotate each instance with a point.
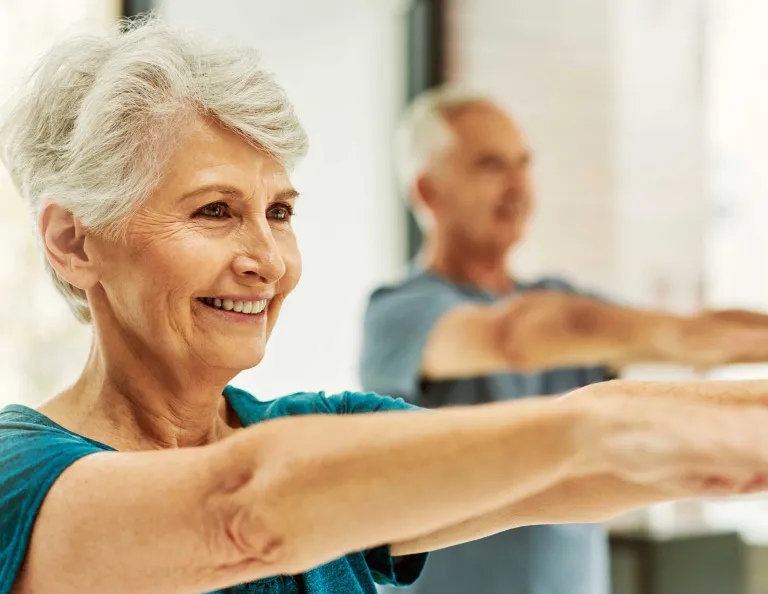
(218, 188)
(287, 194)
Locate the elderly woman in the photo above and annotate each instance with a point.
(158, 170)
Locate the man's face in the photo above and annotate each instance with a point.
(479, 189)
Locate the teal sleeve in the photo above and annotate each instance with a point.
(394, 571)
(31, 459)
(397, 324)
(355, 402)
(385, 569)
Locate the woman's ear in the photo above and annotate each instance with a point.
(64, 243)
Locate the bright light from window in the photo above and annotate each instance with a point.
(41, 345)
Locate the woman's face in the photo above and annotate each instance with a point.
(207, 261)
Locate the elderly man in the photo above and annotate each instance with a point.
(462, 330)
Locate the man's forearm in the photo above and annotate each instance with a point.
(545, 331)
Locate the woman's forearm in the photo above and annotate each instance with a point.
(329, 485)
(593, 498)
(581, 500)
(749, 392)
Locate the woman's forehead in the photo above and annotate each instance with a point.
(211, 155)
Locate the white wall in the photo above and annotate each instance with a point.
(607, 93)
(737, 133)
(340, 62)
(659, 123)
(549, 62)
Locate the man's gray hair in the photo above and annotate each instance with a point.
(100, 116)
(424, 131)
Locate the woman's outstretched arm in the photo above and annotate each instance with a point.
(601, 497)
(290, 494)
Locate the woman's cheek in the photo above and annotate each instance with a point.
(292, 259)
(292, 271)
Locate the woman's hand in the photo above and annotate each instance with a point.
(680, 446)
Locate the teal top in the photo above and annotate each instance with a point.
(34, 451)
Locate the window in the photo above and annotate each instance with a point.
(42, 347)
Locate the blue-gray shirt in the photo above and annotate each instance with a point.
(564, 559)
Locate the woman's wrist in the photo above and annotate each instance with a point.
(596, 420)
(566, 437)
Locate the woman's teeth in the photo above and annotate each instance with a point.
(246, 307)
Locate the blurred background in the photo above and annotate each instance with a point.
(649, 124)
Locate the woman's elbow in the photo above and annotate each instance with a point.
(260, 514)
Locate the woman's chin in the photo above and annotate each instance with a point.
(251, 361)
(237, 360)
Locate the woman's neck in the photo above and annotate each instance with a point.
(135, 405)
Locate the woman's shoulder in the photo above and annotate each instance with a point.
(32, 445)
(34, 451)
(250, 410)
(23, 425)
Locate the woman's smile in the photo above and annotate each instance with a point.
(252, 310)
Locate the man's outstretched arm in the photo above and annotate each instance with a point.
(550, 329)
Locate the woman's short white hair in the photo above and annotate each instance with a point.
(95, 124)
(424, 130)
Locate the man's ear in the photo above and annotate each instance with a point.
(64, 239)
(425, 191)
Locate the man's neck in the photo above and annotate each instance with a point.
(484, 269)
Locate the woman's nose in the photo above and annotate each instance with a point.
(268, 269)
(262, 261)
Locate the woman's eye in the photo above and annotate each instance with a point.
(281, 212)
(216, 210)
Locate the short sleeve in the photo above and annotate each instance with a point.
(394, 571)
(385, 569)
(559, 284)
(32, 457)
(397, 324)
(354, 403)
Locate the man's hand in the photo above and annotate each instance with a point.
(741, 316)
(715, 338)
